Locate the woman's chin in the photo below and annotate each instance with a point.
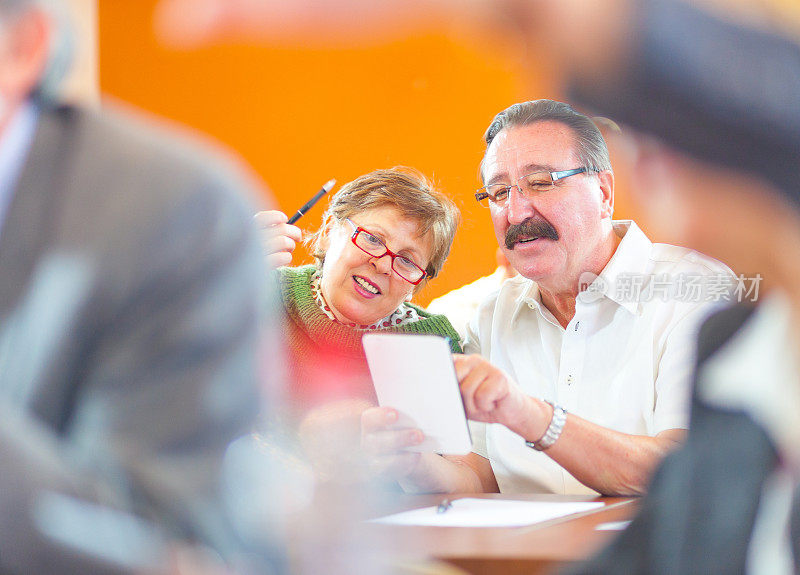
(362, 319)
(360, 312)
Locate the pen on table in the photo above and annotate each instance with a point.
(310, 203)
(444, 506)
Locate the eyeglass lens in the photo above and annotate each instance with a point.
(404, 267)
(535, 182)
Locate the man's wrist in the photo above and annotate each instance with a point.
(538, 416)
(553, 431)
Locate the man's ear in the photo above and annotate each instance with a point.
(24, 50)
(606, 178)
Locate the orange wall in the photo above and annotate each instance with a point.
(302, 116)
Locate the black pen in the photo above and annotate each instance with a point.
(444, 506)
(310, 203)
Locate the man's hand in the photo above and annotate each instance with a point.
(490, 396)
(278, 238)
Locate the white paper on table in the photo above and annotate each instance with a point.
(472, 512)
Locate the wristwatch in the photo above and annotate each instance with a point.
(553, 430)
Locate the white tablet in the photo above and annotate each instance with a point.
(415, 375)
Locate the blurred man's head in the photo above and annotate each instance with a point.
(728, 214)
(299, 22)
(34, 51)
(550, 192)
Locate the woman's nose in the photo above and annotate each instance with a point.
(383, 264)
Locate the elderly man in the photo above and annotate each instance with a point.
(612, 365)
(129, 324)
(580, 365)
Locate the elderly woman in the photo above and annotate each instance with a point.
(383, 236)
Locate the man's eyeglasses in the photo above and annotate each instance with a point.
(532, 184)
(372, 245)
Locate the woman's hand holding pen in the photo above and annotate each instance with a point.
(278, 238)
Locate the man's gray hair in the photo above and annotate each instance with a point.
(592, 150)
(61, 47)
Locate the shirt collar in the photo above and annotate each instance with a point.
(630, 258)
(529, 294)
(14, 145)
(756, 371)
(531, 297)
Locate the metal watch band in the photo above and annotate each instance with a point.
(553, 430)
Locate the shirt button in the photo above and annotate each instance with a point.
(569, 379)
(530, 305)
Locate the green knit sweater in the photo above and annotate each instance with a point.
(312, 338)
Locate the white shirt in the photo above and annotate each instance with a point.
(623, 362)
(461, 304)
(15, 141)
(757, 372)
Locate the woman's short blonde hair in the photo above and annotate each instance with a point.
(406, 190)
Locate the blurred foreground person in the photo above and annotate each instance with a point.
(727, 501)
(129, 323)
(728, 183)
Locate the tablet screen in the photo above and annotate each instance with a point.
(415, 375)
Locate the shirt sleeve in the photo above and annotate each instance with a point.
(675, 369)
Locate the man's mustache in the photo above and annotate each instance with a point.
(530, 228)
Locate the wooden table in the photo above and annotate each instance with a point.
(539, 548)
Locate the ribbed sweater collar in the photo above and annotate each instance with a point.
(295, 288)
